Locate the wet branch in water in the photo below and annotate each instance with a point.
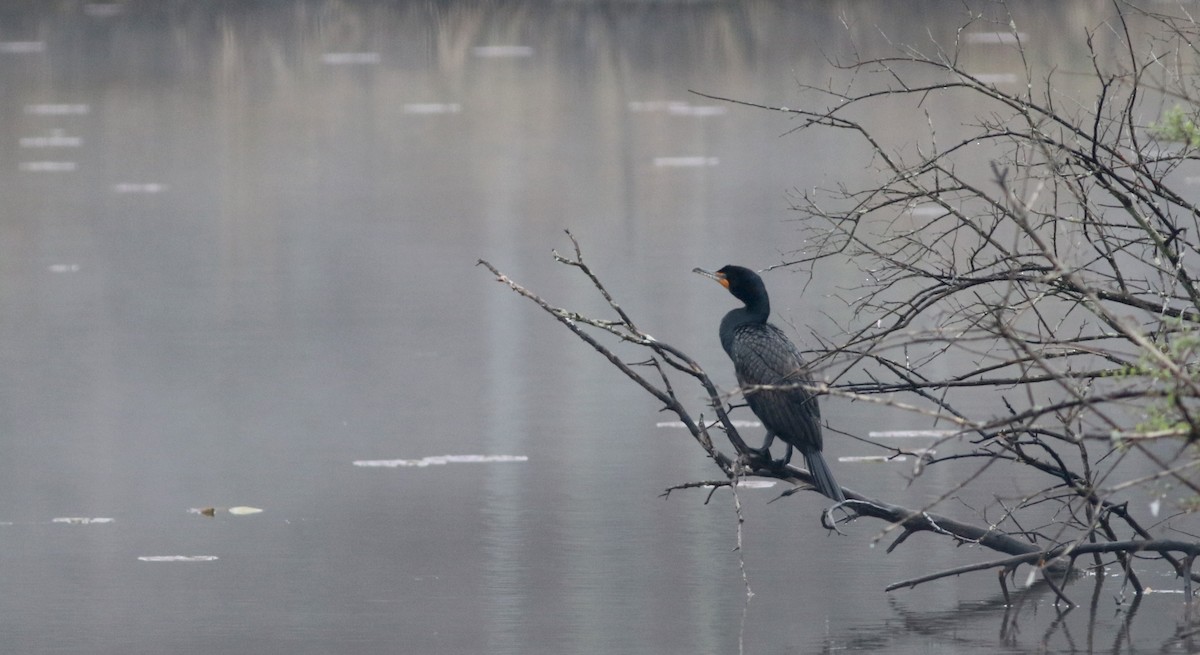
(664, 355)
(1040, 260)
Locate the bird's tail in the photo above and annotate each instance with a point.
(822, 476)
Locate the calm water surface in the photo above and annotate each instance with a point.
(237, 250)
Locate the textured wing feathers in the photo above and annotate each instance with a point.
(763, 355)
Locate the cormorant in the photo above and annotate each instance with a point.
(763, 355)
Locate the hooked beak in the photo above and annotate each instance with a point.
(719, 277)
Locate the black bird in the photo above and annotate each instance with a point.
(763, 355)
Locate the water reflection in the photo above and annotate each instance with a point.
(1095, 626)
(236, 259)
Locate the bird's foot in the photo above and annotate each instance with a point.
(848, 514)
(762, 457)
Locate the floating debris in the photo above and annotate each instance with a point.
(80, 520)
(178, 558)
(439, 460)
(63, 268)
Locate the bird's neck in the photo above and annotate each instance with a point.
(756, 310)
(751, 314)
(757, 303)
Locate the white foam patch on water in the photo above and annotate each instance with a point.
(22, 47)
(350, 58)
(910, 434)
(751, 484)
(502, 51)
(439, 460)
(430, 108)
(685, 162)
(103, 9)
(996, 78)
(242, 510)
(653, 105)
(58, 109)
(178, 558)
(700, 111)
(80, 520)
(994, 38)
(676, 108)
(736, 424)
(48, 166)
(139, 187)
(928, 210)
(56, 139)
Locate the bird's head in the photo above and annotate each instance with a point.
(742, 282)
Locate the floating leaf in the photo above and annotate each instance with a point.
(206, 511)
